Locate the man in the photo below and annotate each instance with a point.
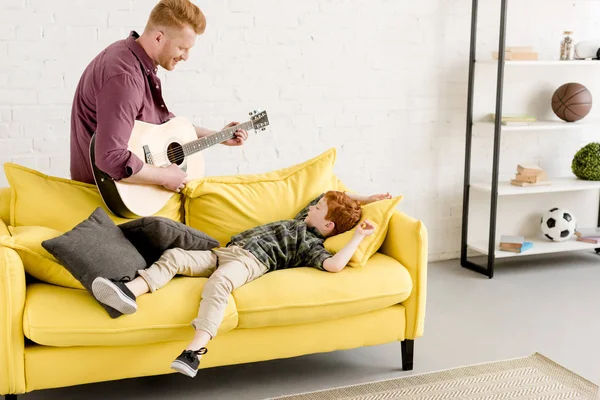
(120, 86)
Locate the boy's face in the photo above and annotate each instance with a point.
(316, 218)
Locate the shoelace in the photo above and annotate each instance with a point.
(191, 355)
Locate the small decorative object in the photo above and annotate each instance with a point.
(567, 46)
(571, 102)
(594, 239)
(558, 224)
(586, 163)
(530, 175)
(587, 49)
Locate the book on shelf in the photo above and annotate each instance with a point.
(531, 178)
(589, 239)
(530, 169)
(516, 249)
(515, 182)
(593, 237)
(514, 119)
(517, 53)
(530, 175)
(511, 242)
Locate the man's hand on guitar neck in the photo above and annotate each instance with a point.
(240, 135)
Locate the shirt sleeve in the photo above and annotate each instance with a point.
(315, 256)
(117, 106)
(302, 214)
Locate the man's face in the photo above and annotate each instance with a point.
(175, 46)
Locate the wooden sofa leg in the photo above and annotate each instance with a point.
(10, 397)
(408, 347)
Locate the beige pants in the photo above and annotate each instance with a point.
(236, 267)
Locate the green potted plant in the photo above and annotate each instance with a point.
(586, 163)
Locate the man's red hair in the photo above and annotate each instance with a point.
(177, 14)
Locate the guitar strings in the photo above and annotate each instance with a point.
(177, 154)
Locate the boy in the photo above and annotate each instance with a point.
(249, 255)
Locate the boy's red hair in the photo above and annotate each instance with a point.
(344, 212)
(176, 14)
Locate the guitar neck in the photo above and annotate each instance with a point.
(216, 138)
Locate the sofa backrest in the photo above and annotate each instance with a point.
(5, 205)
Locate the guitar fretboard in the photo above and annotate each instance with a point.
(216, 138)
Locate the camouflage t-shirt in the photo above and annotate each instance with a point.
(285, 244)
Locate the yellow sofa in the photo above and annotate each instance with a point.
(54, 336)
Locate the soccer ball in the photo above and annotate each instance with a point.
(558, 225)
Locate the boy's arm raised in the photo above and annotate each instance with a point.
(362, 199)
(339, 261)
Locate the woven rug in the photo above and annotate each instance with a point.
(534, 377)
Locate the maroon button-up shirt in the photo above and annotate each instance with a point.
(118, 87)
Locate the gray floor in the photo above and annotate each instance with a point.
(545, 304)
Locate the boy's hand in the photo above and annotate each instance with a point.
(365, 229)
(377, 197)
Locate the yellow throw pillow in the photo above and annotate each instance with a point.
(379, 213)
(224, 206)
(58, 203)
(5, 204)
(27, 241)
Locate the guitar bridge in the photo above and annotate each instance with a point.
(148, 155)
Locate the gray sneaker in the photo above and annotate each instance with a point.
(187, 363)
(114, 294)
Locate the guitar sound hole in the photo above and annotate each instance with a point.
(175, 153)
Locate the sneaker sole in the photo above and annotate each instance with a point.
(183, 368)
(108, 293)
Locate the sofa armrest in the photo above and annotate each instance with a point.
(12, 304)
(406, 241)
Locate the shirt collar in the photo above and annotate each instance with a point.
(314, 231)
(140, 53)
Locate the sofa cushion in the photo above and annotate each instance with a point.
(96, 247)
(305, 295)
(224, 206)
(57, 203)
(151, 236)
(27, 241)
(5, 205)
(379, 213)
(58, 316)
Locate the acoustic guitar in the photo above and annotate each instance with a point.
(174, 142)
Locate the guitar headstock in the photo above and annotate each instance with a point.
(259, 120)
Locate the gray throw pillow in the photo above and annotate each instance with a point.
(151, 236)
(96, 247)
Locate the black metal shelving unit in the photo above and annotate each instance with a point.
(488, 269)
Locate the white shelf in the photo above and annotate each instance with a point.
(536, 126)
(558, 185)
(542, 63)
(540, 246)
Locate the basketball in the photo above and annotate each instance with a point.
(571, 102)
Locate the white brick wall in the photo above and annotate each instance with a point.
(383, 81)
